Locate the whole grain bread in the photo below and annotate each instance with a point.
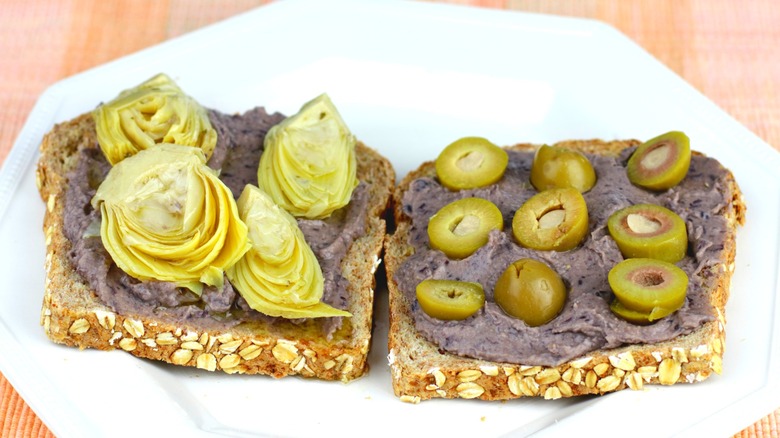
(421, 371)
(72, 314)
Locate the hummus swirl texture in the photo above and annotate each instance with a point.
(156, 111)
(279, 275)
(167, 217)
(303, 167)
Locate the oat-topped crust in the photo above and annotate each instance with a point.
(421, 371)
(72, 315)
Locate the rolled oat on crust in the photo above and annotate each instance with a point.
(421, 370)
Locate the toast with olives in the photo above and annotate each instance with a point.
(73, 315)
(421, 370)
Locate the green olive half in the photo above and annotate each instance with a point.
(555, 167)
(647, 287)
(471, 162)
(661, 162)
(462, 227)
(450, 299)
(637, 317)
(649, 231)
(555, 219)
(530, 290)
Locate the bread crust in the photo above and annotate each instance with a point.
(421, 372)
(72, 315)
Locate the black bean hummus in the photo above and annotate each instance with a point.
(585, 323)
(236, 156)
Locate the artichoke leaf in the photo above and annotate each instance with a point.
(156, 111)
(233, 241)
(279, 275)
(318, 310)
(308, 166)
(213, 276)
(288, 305)
(166, 216)
(294, 292)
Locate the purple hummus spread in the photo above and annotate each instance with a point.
(236, 155)
(586, 322)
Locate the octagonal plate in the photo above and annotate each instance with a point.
(408, 78)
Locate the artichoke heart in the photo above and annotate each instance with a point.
(167, 217)
(308, 165)
(156, 111)
(279, 275)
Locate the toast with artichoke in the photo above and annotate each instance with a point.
(165, 240)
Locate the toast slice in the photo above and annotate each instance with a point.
(421, 370)
(73, 315)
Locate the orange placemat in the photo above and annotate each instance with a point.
(728, 50)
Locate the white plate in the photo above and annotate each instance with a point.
(408, 78)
